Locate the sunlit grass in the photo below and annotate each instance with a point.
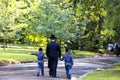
(113, 74)
(116, 66)
(83, 53)
(22, 55)
(18, 57)
(18, 51)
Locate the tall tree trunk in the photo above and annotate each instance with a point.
(4, 44)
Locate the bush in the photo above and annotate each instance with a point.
(4, 62)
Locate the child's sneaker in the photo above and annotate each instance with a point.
(38, 74)
(69, 77)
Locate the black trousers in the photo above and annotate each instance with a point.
(52, 65)
(117, 53)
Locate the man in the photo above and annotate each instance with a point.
(117, 48)
(53, 51)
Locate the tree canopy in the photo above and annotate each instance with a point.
(80, 24)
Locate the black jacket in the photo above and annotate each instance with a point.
(53, 50)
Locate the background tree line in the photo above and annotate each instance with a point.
(79, 24)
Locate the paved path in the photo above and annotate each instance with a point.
(27, 71)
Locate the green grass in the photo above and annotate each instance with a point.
(77, 53)
(116, 66)
(22, 55)
(17, 51)
(113, 74)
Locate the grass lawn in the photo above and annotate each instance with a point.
(77, 53)
(23, 54)
(113, 74)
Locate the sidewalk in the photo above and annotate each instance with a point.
(27, 71)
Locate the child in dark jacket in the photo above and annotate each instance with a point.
(40, 57)
(68, 63)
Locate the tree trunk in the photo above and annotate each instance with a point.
(4, 44)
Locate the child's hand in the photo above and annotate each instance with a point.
(59, 58)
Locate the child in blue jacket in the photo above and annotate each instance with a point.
(40, 57)
(68, 63)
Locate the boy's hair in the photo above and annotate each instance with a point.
(67, 50)
(40, 49)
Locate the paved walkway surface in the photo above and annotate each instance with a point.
(27, 71)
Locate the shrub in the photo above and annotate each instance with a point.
(4, 62)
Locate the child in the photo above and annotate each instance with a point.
(68, 63)
(110, 49)
(40, 57)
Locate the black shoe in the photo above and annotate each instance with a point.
(38, 74)
(69, 77)
(52, 76)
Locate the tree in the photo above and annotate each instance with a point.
(52, 19)
(93, 12)
(112, 20)
(12, 19)
(6, 20)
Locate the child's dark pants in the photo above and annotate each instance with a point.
(40, 68)
(68, 69)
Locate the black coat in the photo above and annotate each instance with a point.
(53, 50)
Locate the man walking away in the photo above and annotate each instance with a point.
(117, 47)
(53, 51)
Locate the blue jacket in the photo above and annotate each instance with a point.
(40, 57)
(68, 59)
(53, 50)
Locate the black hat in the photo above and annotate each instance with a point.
(52, 36)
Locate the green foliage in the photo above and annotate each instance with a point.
(54, 20)
(112, 8)
(91, 13)
(81, 24)
(112, 20)
(6, 21)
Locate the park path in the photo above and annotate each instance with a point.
(27, 71)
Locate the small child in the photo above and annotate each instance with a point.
(40, 57)
(68, 63)
(110, 49)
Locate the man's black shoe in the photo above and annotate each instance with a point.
(42, 74)
(52, 76)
